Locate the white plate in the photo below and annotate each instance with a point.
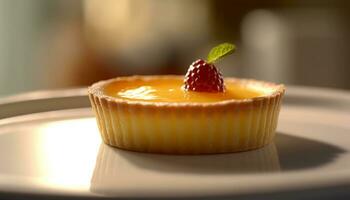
(50, 146)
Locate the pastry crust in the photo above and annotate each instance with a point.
(183, 127)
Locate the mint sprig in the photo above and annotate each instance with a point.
(220, 51)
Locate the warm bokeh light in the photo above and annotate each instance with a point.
(60, 43)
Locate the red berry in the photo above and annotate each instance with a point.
(203, 77)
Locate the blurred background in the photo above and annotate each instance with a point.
(63, 43)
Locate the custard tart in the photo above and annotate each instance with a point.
(201, 113)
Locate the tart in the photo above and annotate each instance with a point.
(169, 114)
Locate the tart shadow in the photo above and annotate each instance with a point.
(297, 153)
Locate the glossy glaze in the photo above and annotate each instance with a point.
(171, 90)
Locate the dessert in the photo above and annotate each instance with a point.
(200, 114)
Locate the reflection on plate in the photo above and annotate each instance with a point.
(118, 171)
(117, 168)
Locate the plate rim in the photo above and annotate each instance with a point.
(296, 91)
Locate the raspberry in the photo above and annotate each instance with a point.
(203, 77)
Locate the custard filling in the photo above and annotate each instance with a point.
(171, 90)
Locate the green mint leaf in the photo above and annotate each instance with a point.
(220, 51)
